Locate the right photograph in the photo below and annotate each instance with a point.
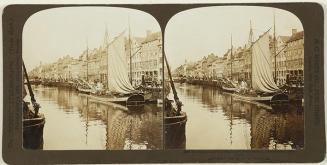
(234, 79)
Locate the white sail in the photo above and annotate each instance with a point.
(262, 79)
(117, 67)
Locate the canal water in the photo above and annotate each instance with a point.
(75, 121)
(216, 120)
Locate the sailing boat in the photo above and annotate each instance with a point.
(33, 121)
(263, 87)
(228, 85)
(84, 86)
(120, 89)
(175, 119)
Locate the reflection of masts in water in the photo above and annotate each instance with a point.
(87, 119)
(130, 134)
(275, 134)
(231, 122)
(251, 129)
(107, 129)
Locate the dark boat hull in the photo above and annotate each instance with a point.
(295, 93)
(175, 132)
(279, 98)
(33, 133)
(135, 100)
(275, 98)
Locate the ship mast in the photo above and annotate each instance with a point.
(176, 98)
(250, 41)
(87, 61)
(106, 46)
(231, 57)
(274, 44)
(130, 52)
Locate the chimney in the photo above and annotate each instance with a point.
(148, 32)
(294, 31)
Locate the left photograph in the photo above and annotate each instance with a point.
(92, 80)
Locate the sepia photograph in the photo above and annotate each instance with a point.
(92, 80)
(208, 82)
(236, 76)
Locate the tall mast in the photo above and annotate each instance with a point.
(106, 46)
(250, 40)
(87, 60)
(231, 57)
(130, 52)
(176, 98)
(274, 44)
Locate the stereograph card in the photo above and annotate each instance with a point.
(163, 83)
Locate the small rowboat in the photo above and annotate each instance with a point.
(227, 89)
(84, 90)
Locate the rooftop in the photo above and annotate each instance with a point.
(284, 38)
(296, 36)
(152, 37)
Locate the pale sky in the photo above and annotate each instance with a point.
(54, 33)
(195, 33)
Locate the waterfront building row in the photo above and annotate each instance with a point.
(289, 61)
(92, 66)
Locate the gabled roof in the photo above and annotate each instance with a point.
(296, 36)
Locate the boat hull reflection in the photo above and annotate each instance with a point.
(217, 120)
(77, 121)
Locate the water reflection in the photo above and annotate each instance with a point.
(216, 120)
(76, 121)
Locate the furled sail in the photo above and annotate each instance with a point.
(117, 67)
(262, 79)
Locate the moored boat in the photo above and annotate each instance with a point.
(127, 100)
(175, 131)
(268, 99)
(174, 119)
(33, 121)
(228, 89)
(35, 82)
(84, 90)
(119, 89)
(33, 132)
(262, 87)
